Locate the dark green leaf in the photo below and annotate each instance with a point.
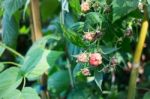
(93, 18)
(78, 27)
(10, 30)
(49, 8)
(75, 5)
(123, 7)
(108, 50)
(73, 37)
(59, 81)
(98, 79)
(10, 79)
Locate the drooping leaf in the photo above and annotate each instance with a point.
(10, 79)
(73, 37)
(123, 7)
(11, 6)
(59, 81)
(10, 30)
(98, 79)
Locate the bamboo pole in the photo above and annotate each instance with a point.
(137, 56)
(37, 34)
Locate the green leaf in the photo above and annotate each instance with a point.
(15, 94)
(40, 67)
(123, 7)
(2, 49)
(92, 18)
(148, 1)
(10, 30)
(59, 81)
(35, 62)
(73, 37)
(75, 5)
(82, 93)
(49, 8)
(98, 79)
(53, 56)
(11, 6)
(108, 50)
(10, 79)
(1, 67)
(77, 69)
(77, 27)
(29, 93)
(146, 95)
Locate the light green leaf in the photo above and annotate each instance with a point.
(35, 63)
(29, 93)
(26, 93)
(123, 7)
(148, 1)
(11, 6)
(10, 30)
(58, 82)
(15, 94)
(98, 79)
(146, 95)
(53, 56)
(2, 49)
(40, 67)
(10, 79)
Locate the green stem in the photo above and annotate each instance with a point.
(24, 83)
(11, 63)
(12, 50)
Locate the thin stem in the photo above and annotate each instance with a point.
(70, 74)
(24, 83)
(12, 63)
(12, 50)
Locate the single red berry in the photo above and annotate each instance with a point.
(95, 59)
